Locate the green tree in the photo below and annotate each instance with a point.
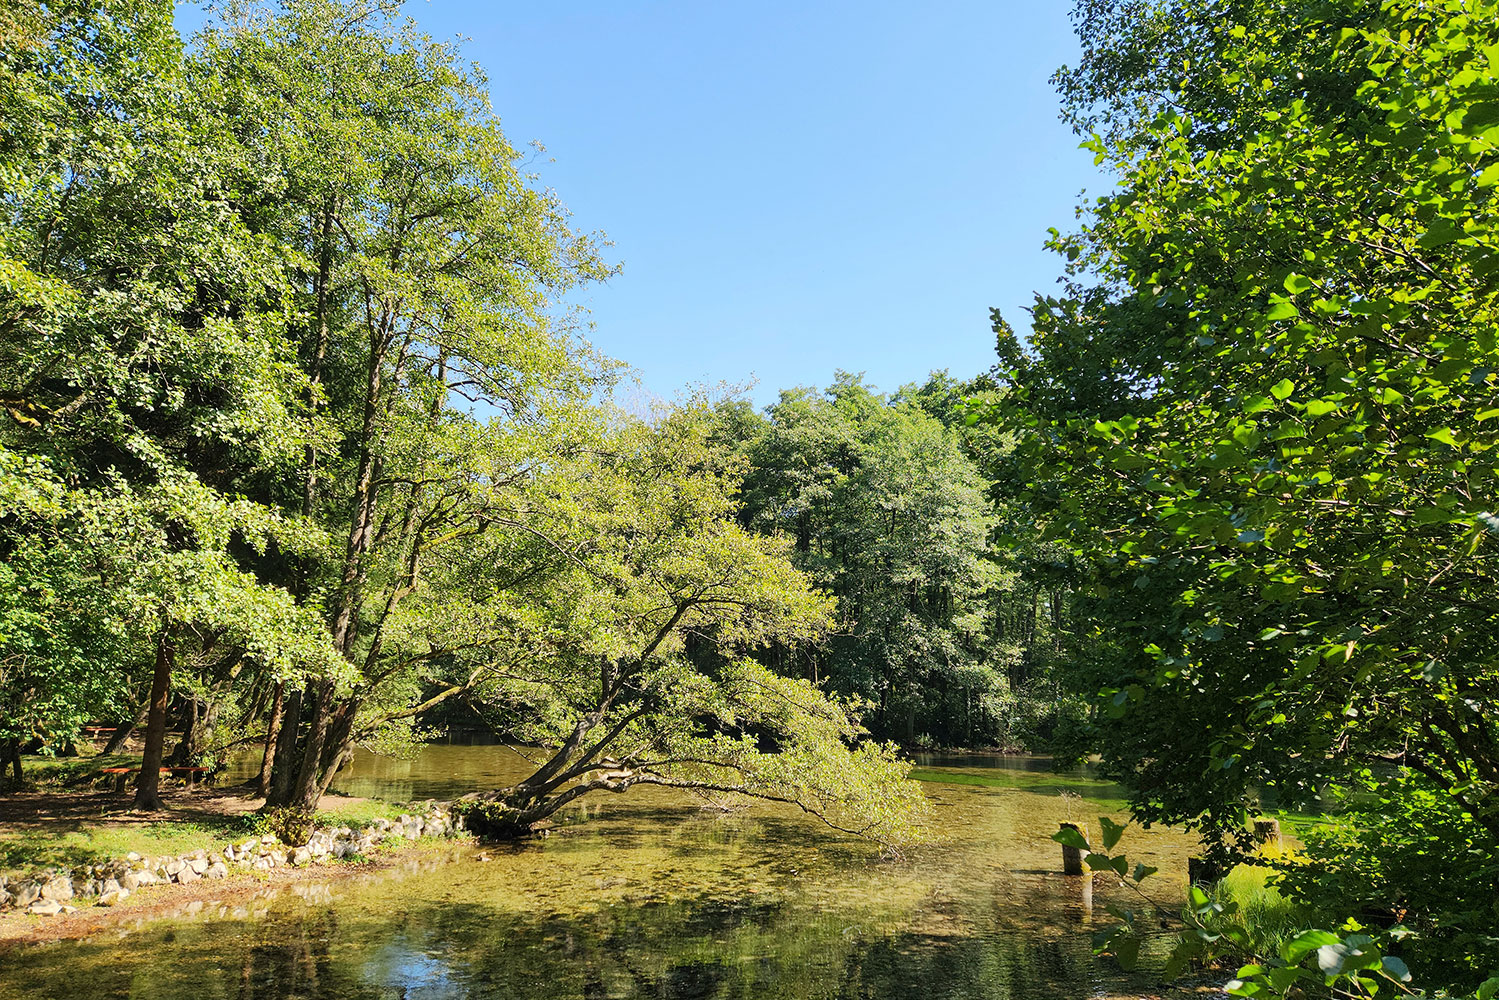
(428, 271)
(142, 367)
(1263, 411)
(633, 660)
(889, 514)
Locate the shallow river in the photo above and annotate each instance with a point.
(653, 895)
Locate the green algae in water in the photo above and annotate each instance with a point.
(648, 895)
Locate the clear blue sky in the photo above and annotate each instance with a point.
(794, 187)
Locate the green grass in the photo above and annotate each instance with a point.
(71, 843)
(1267, 917)
(28, 850)
(62, 773)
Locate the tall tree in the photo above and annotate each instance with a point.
(427, 270)
(142, 366)
(1264, 412)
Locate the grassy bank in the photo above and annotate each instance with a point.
(67, 815)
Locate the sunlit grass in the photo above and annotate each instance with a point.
(1267, 917)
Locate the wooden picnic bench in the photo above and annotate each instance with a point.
(122, 774)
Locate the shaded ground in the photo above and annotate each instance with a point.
(72, 816)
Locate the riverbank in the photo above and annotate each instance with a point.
(74, 857)
(239, 895)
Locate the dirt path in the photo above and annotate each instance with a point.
(51, 810)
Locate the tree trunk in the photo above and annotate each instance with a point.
(261, 785)
(147, 787)
(124, 729)
(187, 746)
(305, 791)
(13, 758)
(284, 766)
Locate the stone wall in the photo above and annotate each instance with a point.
(56, 892)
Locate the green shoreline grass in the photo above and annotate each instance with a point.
(71, 842)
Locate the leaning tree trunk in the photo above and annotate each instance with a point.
(124, 730)
(148, 786)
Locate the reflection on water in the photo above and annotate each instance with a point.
(646, 895)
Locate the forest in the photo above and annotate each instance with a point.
(304, 449)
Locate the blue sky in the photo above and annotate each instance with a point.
(794, 188)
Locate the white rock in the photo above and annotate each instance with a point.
(188, 874)
(45, 908)
(219, 870)
(199, 865)
(58, 889)
(114, 897)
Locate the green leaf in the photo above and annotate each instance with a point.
(1294, 950)
(1127, 953)
(1321, 407)
(1282, 979)
(1297, 283)
(1283, 389)
(1440, 233)
(1257, 404)
(1111, 832)
(1143, 871)
(1489, 990)
(1395, 969)
(1069, 837)
(1283, 309)
(1444, 435)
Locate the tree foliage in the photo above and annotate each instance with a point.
(1263, 409)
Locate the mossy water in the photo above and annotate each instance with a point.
(653, 894)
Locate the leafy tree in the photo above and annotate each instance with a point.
(141, 366)
(889, 514)
(426, 270)
(1263, 411)
(634, 664)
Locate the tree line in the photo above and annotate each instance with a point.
(303, 446)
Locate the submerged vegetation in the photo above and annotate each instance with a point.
(302, 449)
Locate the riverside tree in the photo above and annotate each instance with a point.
(300, 436)
(142, 371)
(1264, 409)
(427, 272)
(634, 660)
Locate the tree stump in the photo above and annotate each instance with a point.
(1072, 858)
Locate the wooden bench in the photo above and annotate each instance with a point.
(122, 774)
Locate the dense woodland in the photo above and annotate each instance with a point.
(303, 449)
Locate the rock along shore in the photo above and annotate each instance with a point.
(55, 892)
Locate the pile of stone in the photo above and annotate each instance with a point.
(55, 892)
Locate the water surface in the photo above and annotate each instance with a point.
(654, 894)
